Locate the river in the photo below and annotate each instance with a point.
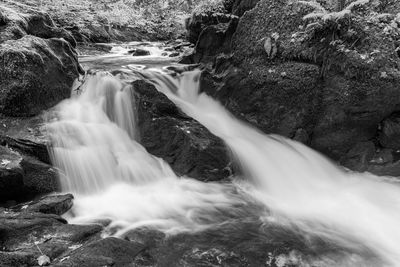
(291, 206)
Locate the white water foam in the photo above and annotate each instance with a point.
(114, 177)
(300, 186)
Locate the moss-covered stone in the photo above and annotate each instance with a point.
(35, 74)
(334, 84)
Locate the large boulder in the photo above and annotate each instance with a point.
(23, 176)
(34, 229)
(328, 88)
(35, 74)
(166, 132)
(16, 24)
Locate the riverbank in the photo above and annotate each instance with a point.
(107, 21)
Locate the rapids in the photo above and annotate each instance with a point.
(96, 148)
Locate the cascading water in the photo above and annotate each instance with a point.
(300, 186)
(112, 176)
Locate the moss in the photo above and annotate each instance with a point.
(35, 74)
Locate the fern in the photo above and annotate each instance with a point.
(320, 13)
(356, 3)
(314, 4)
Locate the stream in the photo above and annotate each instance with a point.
(290, 206)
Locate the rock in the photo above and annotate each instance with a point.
(21, 229)
(213, 40)
(43, 260)
(250, 243)
(336, 94)
(53, 204)
(11, 174)
(35, 74)
(27, 147)
(17, 132)
(359, 157)
(27, 235)
(180, 45)
(139, 52)
(198, 22)
(39, 177)
(174, 54)
(241, 6)
(182, 68)
(389, 135)
(146, 236)
(265, 99)
(42, 25)
(23, 176)
(17, 24)
(105, 252)
(366, 157)
(184, 143)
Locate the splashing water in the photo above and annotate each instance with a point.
(300, 186)
(112, 176)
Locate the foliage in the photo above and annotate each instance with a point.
(320, 13)
(322, 21)
(210, 6)
(153, 16)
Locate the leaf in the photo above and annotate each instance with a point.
(314, 4)
(314, 15)
(43, 260)
(356, 3)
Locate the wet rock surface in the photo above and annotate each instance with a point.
(24, 176)
(53, 204)
(184, 143)
(328, 94)
(35, 229)
(244, 243)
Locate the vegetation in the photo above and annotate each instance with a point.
(153, 16)
(323, 19)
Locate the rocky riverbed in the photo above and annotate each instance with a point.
(340, 98)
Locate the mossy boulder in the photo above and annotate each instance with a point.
(332, 87)
(35, 74)
(16, 24)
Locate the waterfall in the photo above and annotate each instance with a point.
(112, 175)
(300, 186)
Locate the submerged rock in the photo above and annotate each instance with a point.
(35, 74)
(166, 132)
